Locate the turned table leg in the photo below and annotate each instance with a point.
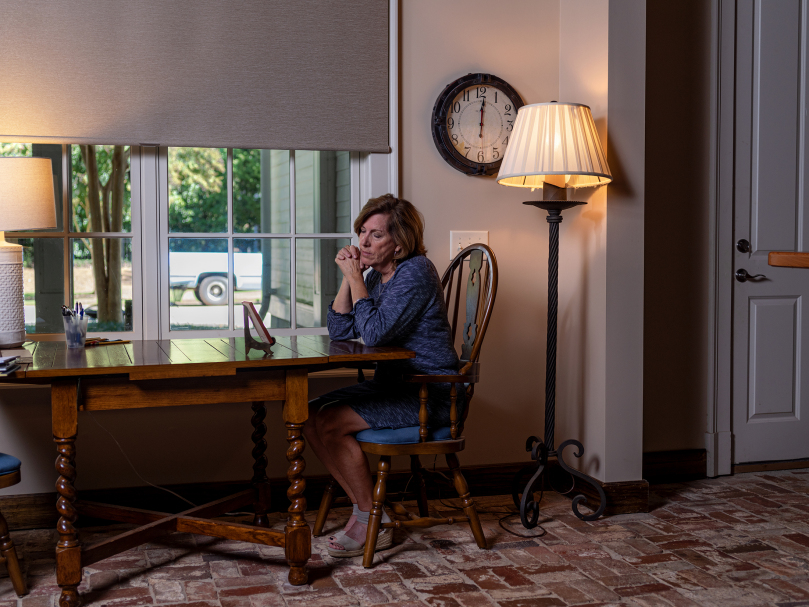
(298, 544)
(68, 549)
(261, 483)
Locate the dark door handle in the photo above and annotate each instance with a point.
(743, 276)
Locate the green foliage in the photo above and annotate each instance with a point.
(198, 194)
(197, 190)
(246, 190)
(15, 149)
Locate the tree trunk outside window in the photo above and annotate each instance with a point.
(105, 206)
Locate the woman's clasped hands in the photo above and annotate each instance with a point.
(348, 260)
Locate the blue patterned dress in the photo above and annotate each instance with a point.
(407, 311)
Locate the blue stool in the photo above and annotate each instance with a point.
(10, 475)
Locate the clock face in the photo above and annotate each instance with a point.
(472, 122)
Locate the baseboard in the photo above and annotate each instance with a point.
(792, 464)
(37, 511)
(622, 498)
(675, 466)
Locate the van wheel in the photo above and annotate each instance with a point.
(213, 291)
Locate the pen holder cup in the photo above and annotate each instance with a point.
(75, 331)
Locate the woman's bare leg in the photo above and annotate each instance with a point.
(336, 426)
(310, 432)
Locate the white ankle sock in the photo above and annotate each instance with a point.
(362, 517)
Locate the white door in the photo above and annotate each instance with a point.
(771, 314)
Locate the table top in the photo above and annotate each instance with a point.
(153, 359)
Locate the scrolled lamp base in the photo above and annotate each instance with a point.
(529, 509)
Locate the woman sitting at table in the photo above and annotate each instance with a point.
(399, 303)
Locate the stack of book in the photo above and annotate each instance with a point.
(8, 364)
(23, 355)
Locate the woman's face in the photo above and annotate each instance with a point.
(376, 243)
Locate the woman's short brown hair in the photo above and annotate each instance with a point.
(405, 224)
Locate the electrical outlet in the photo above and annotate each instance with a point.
(458, 241)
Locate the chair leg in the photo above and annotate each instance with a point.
(375, 518)
(421, 486)
(468, 503)
(8, 552)
(325, 506)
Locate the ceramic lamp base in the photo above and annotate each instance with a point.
(12, 316)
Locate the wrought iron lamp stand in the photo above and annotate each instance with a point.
(542, 451)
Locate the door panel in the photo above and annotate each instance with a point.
(774, 352)
(770, 323)
(776, 124)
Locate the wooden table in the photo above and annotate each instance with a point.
(185, 372)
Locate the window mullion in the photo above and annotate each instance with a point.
(357, 190)
(293, 280)
(231, 251)
(151, 244)
(162, 186)
(136, 240)
(66, 216)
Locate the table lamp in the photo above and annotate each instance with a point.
(554, 147)
(26, 203)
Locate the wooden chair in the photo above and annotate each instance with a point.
(10, 475)
(481, 288)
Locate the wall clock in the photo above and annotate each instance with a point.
(473, 118)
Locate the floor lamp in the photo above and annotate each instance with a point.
(554, 147)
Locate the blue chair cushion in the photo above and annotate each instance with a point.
(401, 436)
(9, 463)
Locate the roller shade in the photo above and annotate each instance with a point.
(273, 74)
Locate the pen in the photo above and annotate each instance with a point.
(91, 344)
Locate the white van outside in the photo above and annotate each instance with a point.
(207, 274)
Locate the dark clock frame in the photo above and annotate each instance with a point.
(440, 132)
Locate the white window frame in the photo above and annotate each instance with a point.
(161, 245)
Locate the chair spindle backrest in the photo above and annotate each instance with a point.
(481, 288)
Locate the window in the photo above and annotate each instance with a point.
(232, 225)
(167, 242)
(89, 256)
(253, 225)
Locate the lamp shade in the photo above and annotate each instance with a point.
(555, 143)
(26, 194)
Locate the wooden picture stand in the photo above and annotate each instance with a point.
(250, 343)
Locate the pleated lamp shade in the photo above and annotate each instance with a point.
(555, 143)
(26, 194)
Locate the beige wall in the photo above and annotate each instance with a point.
(625, 261)
(581, 400)
(518, 41)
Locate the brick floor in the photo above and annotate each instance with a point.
(732, 541)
